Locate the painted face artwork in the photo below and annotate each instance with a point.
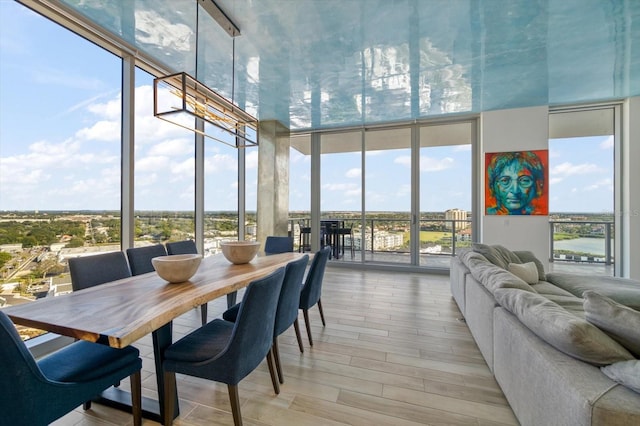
(514, 188)
(515, 183)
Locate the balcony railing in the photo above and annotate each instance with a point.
(572, 241)
(581, 241)
(389, 239)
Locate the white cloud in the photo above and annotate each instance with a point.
(173, 148)
(353, 173)
(219, 162)
(428, 164)
(569, 169)
(607, 143)
(604, 183)
(153, 164)
(101, 131)
(251, 159)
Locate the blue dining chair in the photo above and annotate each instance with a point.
(37, 393)
(311, 292)
(275, 244)
(182, 247)
(189, 247)
(286, 313)
(140, 258)
(88, 271)
(227, 352)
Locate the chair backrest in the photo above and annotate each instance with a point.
(252, 335)
(312, 288)
(88, 271)
(140, 258)
(182, 247)
(20, 377)
(274, 244)
(289, 300)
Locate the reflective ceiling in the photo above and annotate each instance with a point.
(315, 64)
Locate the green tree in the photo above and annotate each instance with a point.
(4, 258)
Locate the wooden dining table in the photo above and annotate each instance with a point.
(121, 312)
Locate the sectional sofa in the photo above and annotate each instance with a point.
(564, 348)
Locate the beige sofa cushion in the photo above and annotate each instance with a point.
(527, 272)
(561, 329)
(618, 321)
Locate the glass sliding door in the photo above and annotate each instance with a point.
(582, 189)
(386, 234)
(300, 192)
(341, 194)
(445, 191)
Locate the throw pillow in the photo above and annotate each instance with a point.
(561, 329)
(527, 272)
(496, 254)
(528, 256)
(627, 373)
(617, 320)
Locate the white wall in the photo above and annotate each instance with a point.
(514, 130)
(630, 214)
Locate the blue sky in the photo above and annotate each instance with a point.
(60, 145)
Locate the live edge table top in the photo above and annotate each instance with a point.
(120, 312)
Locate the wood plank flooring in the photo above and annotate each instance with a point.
(393, 352)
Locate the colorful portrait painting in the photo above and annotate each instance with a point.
(516, 183)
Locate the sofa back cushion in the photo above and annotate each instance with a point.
(490, 275)
(561, 329)
(620, 322)
(496, 254)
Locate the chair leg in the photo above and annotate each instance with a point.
(203, 313)
(235, 404)
(276, 358)
(296, 326)
(324, 324)
(169, 386)
(136, 398)
(305, 312)
(272, 373)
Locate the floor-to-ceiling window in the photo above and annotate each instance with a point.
(300, 191)
(341, 193)
(406, 199)
(163, 173)
(60, 154)
(388, 191)
(446, 178)
(582, 186)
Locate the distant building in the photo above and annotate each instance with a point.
(11, 248)
(458, 215)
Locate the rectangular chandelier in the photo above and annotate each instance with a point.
(179, 98)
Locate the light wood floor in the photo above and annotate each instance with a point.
(394, 352)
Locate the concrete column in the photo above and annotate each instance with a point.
(273, 180)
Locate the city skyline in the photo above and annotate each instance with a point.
(67, 157)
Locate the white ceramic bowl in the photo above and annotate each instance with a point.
(239, 252)
(177, 268)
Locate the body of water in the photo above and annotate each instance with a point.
(594, 246)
